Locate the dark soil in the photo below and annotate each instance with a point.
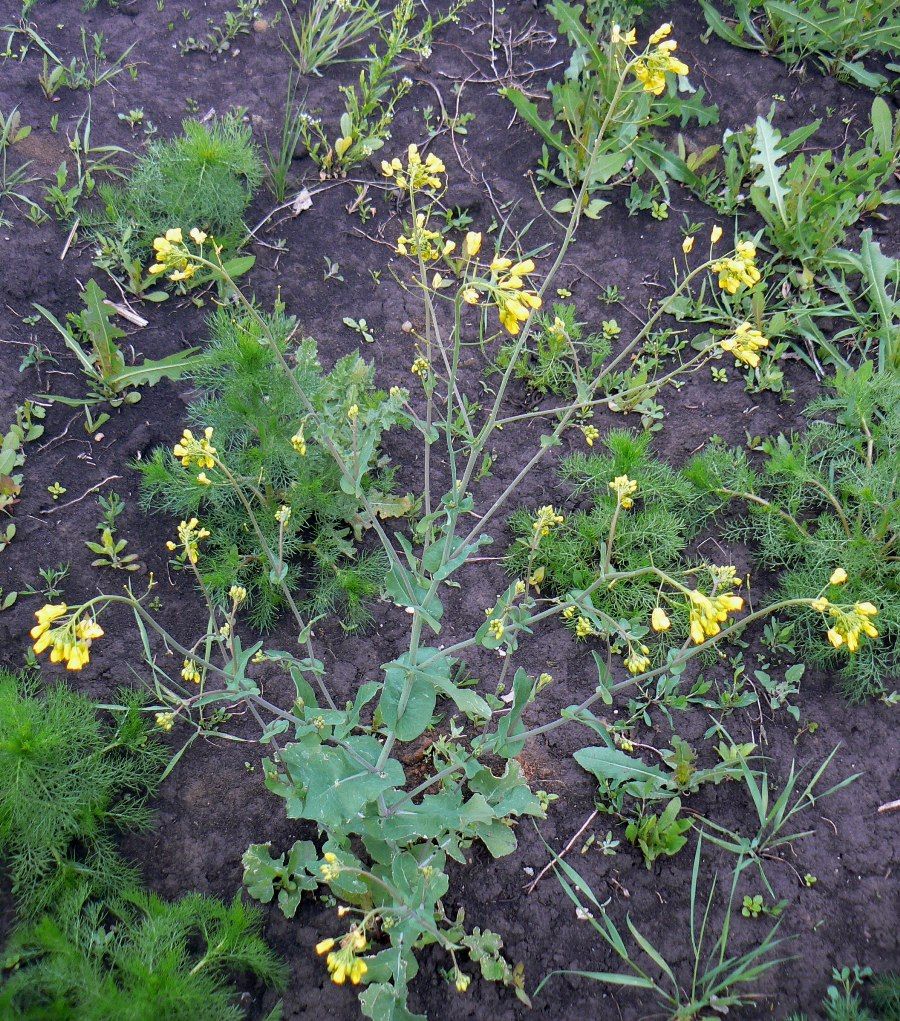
(214, 804)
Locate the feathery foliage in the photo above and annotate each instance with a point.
(203, 178)
(68, 781)
(657, 531)
(252, 406)
(823, 499)
(135, 957)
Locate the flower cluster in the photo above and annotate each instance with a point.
(173, 256)
(638, 662)
(514, 302)
(545, 519)
(847, 623)
(651, 69)
(421, 368)
(624, 488)
(423, 242)
(298, 442)
(70, 641)
(591, 434)
(708, 612)
(190, 672)
(418, 174)
(189, 535)
(745, 344)
(495, 628)
(345, 963)
(192, 450)
(739, 269)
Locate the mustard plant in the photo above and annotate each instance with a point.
(386, 841)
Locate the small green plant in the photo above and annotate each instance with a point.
(561, 356)
(110, 550)
(26, 428)
(611, 88)
(658, 835)
(773, 818)
(219, 38)
(203, 179)
(825, 501)
(656, 531)
(93, 337)
(14, 179)
(369, 104)
(318, 37)
(839, 34)
(278, 163)
(808, 205)
(717, 978)
(76, 179)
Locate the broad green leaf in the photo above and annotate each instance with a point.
(615, 765)
(408, 697)
(765, 155)
(331, 785)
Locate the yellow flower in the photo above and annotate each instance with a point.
(715, 235)
(238, 594)
(420, 367)
(70, 641)
(418, 174)
(461, 981)
(353, 412)
(624, 488)
(189, 535)
(191, 450)
(838, 576)
(421, 241)
(204, 479)
(744, 344)
(637, 663)
(473, 243)
(708, 612)
(687, 244)
(470, 296)
(514, 302)
(583, 627)
(651, 69)
(48, 613)
(591, 433)
(197, 236)
(821, 604)
(739, 270)
(189, 671)
(628, 38)
(835, 638)
(165, 721)
(323, 946)
(298, 442)
(659, 620)
(495, 629)
(183, 274)
(283, 514)
(545, 519)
